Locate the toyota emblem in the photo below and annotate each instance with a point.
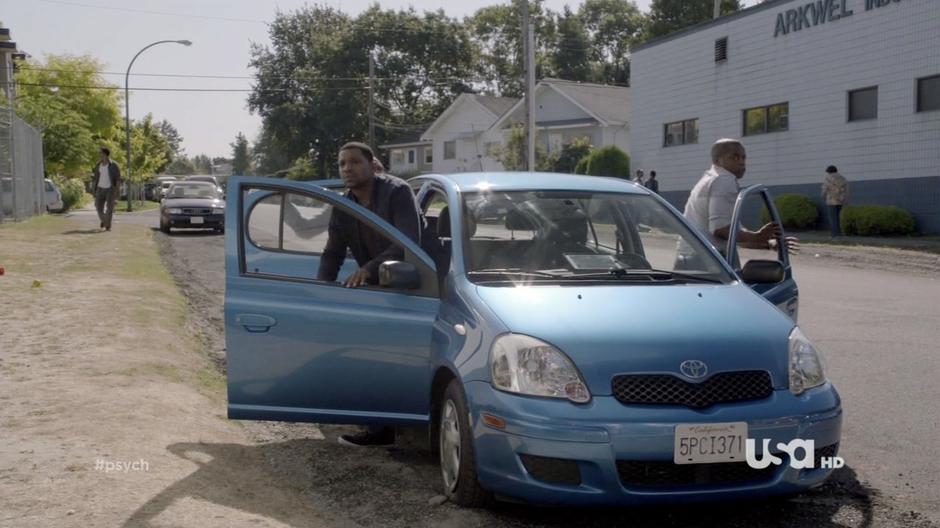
(693, 368)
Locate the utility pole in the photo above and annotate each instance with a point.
(371, 100)
(529, 47)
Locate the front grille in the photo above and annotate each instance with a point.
(553, 470)
(197, 211)
(660, 474)
(666, 389)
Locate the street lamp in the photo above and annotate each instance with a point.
(127, 111)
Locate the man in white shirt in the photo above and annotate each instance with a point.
(711, 202)
(105, 186)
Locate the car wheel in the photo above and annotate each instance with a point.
(165, 227)
(458, 463)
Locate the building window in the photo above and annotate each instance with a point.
(721, 49)
(450, 150)
(680, 133)
(411, 156)
(765, 119)
(428, 155)
(863, 104)
(928, 94)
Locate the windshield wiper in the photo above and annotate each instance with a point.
(516, 272)
(620, 273)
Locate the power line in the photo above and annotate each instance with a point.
(151, 89)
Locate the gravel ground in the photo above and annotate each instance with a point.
(401, 486)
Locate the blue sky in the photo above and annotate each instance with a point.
(113, 30)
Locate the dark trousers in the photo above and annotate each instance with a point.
(834, 213)
(104, 205)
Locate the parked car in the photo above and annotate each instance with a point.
(52, 197)
(164, 183)
(556, 352)
(192, 205)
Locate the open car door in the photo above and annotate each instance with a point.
(302, 349)
(753, 208)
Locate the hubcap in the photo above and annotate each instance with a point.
(450, 445)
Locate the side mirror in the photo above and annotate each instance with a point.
(399, 275)
(763, 272)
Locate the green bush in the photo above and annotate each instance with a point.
(73, 193)
(874, 220)
(571, 154)
(609, 161)
(797, 211)
(581, 166)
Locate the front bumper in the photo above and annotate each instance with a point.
(597, 435)
(210, 221)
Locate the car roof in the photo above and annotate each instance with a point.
(542, 181)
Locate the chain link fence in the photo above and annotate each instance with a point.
(21, 169)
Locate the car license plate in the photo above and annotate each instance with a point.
(196, 220)
(710, 443)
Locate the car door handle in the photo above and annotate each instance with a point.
(255, 323)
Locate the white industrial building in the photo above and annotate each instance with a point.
(851, 83)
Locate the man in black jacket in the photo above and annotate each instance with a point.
(393, 200)
(105, 186)
(387, 196)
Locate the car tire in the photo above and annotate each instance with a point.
(455, 451)
(165, 228)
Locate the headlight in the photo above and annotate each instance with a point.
(174, 210)
(806, 370)
(218, 210)
(525, 365)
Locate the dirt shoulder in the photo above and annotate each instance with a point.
(110, 412)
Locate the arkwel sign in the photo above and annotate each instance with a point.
(820, 12)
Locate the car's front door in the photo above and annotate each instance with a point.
(301, 349)
(754, 206)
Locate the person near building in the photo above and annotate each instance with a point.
(835, 191)
(652, 183)
(711, 202)
(105, 187)
(638, 179)
(393, 200)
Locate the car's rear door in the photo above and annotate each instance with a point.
(299, 349)
(753, 208)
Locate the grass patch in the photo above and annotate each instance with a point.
(163, 370)
(120, 206)
(211, 381)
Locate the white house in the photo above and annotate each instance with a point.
(408, 155)
(850, 83)
(569, 110)
(461, 136)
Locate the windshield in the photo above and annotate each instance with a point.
(192, 190)
(551, 235)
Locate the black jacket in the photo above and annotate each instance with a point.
(114, 172)
(394, 201)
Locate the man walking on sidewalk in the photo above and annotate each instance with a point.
(105, 186)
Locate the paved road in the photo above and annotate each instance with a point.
(878, 329)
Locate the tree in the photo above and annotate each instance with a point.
(668, 16)
(612, 25)
(241, 161)
(572, 54)
(266, 156)
(173, 139)
(181, 166)
(571, 154)
(497, 32)
(148, 149)
(513, 154)
(609, 161)
(311, 80)
(74, 120)
(202, 164)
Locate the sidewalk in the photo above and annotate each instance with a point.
(926, 243)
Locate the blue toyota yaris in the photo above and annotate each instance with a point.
(566, 339)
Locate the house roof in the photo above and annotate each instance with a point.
(605, 103)
(495, 106)
(410, 139)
